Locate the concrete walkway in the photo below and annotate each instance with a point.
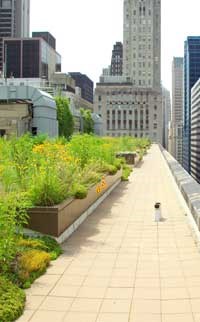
(120, 266)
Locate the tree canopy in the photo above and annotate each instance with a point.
(65, 117)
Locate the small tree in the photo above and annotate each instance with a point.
(65, 117)
(88, 123)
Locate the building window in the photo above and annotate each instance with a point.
(99, 98)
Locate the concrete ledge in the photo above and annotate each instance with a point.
(189, 188)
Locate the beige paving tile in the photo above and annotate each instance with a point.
(43, 285)
(66, 291)
(115, 306)
(26, 316)
(147, 293)
(175, 306)
(119, 293)
(33, 302)
(72, 280)
(177, 318)
(92, 292)
(146, 318)
(100, 272)
(80, 317)
(82, 271)
(121, 282)
(48, 316)
(96, 281)
(194, 292)
(52, 303)
(86, 305)
(174, 293)
(146, 306)
(113, 317)
(170, 272)
(193, 281)
(178, 282)
(123, 272)
(147, 282)
(196, 317)
(56, 270)
(195, 303)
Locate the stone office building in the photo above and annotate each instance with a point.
(131, 104)
(126, 110)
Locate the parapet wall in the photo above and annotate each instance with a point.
(189, 188)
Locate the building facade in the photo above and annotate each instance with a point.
(142, 42)
(30, 58)
(46, 36)
(126, 111)
(195, 132)
(131, 104)
(85, 84)
(117, 60)
(177, 109)
(191, 75)
(14, 21)
(166, 108)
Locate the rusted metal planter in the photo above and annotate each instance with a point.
(57, 219)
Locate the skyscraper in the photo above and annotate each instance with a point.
(142, 42)
(195, 133)
(14, 21)
(191, 75)
(131, 104)
(117, 59)
(177, 108)
(166, 107)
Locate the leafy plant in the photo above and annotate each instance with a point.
(45, 243)
(80, 192)
(88, 123)
(31, 264)
(126, 172)
(65, 117)
(12, 301)
(13, 216)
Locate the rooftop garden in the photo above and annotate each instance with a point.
(38, 171)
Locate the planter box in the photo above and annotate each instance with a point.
(56, 220)
(131, 158)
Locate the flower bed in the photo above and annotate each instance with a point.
(56, 220)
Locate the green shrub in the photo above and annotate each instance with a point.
(111, 169)
(12, 301)
(80, 191)
(31, 243)
(118, 163)
(50, 245)
(13, 215)
(31, 264)
(126, 172)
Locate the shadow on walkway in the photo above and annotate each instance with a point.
(86, 236)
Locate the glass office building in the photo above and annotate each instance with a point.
(191, 75)
(30, 58)
(14, 21)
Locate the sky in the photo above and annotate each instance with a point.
(86, 30)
